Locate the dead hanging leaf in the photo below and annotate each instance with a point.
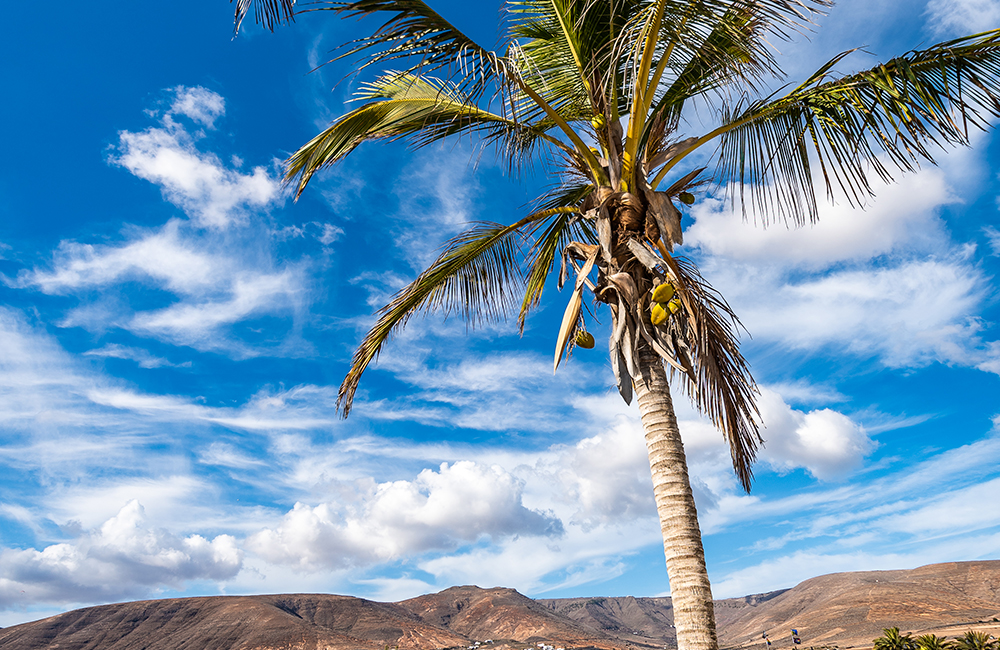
(588, 266)
(618, 364)
(667, 217)
(685, 182)
(569, 320)
(625, 286)
(646, 257)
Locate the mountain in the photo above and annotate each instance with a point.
(453, 618)
(224, 622)
(838, 610)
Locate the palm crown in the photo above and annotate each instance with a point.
(597, 88)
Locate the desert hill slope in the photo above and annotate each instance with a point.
(841, 609)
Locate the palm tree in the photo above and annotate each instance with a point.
(973, 640)
(594, 91)
(891, 639)
(933, 642)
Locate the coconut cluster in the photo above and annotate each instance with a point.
(663, 303)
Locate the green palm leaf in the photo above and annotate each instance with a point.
(422, 108)
(903, 110)
(476, 276)
(415, 32)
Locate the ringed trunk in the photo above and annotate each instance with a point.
(690, 591)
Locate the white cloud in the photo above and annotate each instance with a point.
(199, 183)
(198, 324)
(993, 236)
(606, 477)
(123, 557)
(198, 104)
(962, 17)
(826, 443)
(439, 510)
(955, 512)
(903, 214)
(168, 256)
(907, 312)
(299, 408)
(140, 356)
(441, 191)
(217, 282)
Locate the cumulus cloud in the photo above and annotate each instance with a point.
(962, 16)
(824, 442)
(199, 104)
(459, 503)
(606, 477)
(211, 193)
(903, 214)
(122, 558)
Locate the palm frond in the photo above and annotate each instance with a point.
(892, 115)
(663, 36)
(554, 237)
(735, 50)
(476, 276)
(415, 32)
(719, 381)
(421, 108)
(568, 45)
(269, 13)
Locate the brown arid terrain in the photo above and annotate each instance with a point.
(842, 610)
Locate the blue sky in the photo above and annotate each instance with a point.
(173, 330)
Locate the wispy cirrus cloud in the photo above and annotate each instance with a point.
(960, 17)
(142, 357)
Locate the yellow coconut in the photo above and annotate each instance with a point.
(663, 292)
(657, 313)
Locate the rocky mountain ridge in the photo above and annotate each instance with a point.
(841, 610)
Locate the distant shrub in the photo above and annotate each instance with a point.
(975, 641)
(891, 639)
(933, 642)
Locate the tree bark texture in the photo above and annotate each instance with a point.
(690, 591)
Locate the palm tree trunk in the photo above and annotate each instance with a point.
(690, 591)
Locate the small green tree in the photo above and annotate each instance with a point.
(972, 640)
(891, 639)
(933, 642)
